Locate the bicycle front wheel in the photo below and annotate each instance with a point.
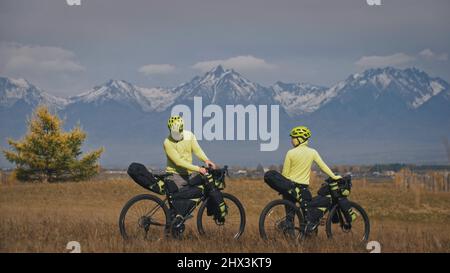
(358, 230)
(280, 219)
(234, 224)
(144, 216)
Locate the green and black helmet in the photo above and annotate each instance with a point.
(175, 121)
(302, 133)
(176, 127)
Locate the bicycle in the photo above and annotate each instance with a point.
(273, 217)
(147, 214)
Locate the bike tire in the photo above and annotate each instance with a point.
(227, 198)
(269, 207)
(133, 201)
(360, 210)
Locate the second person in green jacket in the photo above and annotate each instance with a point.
(293, 182)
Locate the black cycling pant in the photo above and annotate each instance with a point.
(290, 191)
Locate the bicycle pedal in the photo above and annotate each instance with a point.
(219, 222)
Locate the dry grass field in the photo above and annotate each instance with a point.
(44, 217)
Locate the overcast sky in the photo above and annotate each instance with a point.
(67, 49)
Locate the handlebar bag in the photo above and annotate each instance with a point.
(345, 186)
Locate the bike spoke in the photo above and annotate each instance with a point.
(145, 219)
(276, 224)
(230, 228)
(353, 232)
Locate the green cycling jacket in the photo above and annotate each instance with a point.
(179, 154)
(298, 162)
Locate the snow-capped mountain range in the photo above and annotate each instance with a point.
(147, 99)
(13, 90)
(378, 115)
(226, 86)
(298, 98)
(220, 86)
(414, 86)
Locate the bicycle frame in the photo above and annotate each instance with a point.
(334, 203)
(168, 203)
(167, 200)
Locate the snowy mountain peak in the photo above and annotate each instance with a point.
(412, 85)
(20, 82)
(217, 71)
(300, 87)
(113, 90)
(14, 90)
(120, 85)
(125, 93)
(299, 98)
(223, 86)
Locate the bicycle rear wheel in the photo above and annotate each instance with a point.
(357, 231)
(144, 216)
(234, 224)
(273, 222)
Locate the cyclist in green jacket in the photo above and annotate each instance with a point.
(293, 182)
(179, 146)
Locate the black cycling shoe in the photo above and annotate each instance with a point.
(177, 226)
(220, 221)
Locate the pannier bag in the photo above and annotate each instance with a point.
(219, 178)
(139, 173)
(345, 186)
(347, 210)
(341, 189)
(216, 206)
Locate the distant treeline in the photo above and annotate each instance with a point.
(398, 166)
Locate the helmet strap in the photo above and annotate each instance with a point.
(301, 140)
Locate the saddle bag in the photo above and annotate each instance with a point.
(139, 173)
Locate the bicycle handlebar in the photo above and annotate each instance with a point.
(345, 177)
(210, 170)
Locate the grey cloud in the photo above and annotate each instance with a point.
(308, 40)
(381, 61)
(431, 55)
(24, 58)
